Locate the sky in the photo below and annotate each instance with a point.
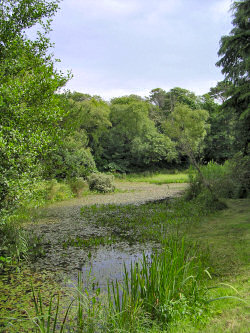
(121, 47)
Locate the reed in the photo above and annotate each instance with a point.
(48, 322)
(166, 285)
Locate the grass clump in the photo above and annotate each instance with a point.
(169, 286)
(77, 185)
(55, 191)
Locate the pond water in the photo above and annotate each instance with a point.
(60, 223)
(107, 264)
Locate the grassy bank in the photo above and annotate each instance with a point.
(228, 235)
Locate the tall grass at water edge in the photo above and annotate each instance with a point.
(157, 293)
(167, 287)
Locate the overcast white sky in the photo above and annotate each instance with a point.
(119, 47)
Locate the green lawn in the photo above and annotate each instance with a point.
(159, 179)
(228, 237)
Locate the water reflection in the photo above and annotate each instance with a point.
(107, 263)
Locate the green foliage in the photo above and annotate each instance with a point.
(55, 191)
(29, 108)
(188, 127)
(234, 48)
(234, 52)
(70, 159)
(239, 172)
(89, 115)
(230, 180)
(219, 141)
(169, 285)
(133, 141)
(13, 244)
(166, 101)
(77, 185)
(221, 91)
(101, 183)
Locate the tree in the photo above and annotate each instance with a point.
(158, 97)
(29, 108)
(235, 62)
(221, 92)
(219, 141)
(88, 114)
(70, 158)
(189, 128)
(133, 141)
(182, 96)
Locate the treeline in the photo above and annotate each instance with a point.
(130, 133)
(45, 134)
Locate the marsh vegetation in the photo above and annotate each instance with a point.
(128, 215)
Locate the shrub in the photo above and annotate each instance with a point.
(101, 183)
(230, 180)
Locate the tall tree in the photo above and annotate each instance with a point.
(219, 141)
(133, 140)
(235, 62)
(189, 128)
(29, 107)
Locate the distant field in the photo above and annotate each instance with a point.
(159, 178)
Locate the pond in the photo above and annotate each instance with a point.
(62, 223)
(107, 264)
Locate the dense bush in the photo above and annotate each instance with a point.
(101, 183)
(230, 180)
(70, 159)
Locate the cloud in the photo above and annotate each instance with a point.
(155, 12)
(220, 9)
(119, 47)
(148, 10)
(199, 86)
(103, 8)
